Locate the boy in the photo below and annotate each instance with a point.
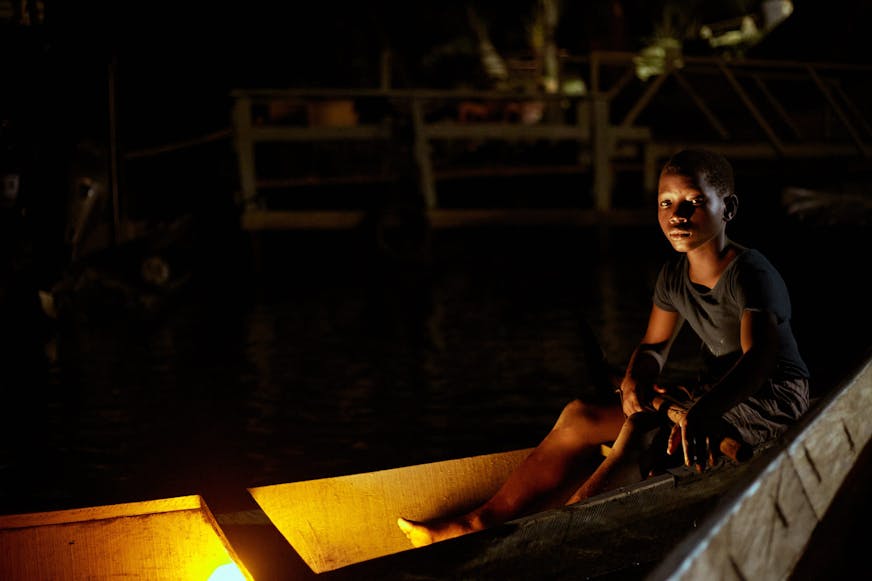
(755, 383)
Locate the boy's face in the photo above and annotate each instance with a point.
(691, 213)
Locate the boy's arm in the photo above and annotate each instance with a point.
(759, 335)
(648, 359)
(757, 363)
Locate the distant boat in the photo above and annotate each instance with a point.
(823, 207)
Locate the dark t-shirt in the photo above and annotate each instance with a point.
(750, 282)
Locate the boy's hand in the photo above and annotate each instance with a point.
(636, 397)
(631, 402)
(689, 432)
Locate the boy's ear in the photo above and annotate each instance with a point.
(731, 204)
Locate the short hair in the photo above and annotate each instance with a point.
(718, 172)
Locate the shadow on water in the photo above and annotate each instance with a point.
(332, 359)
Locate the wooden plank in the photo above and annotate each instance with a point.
(504, 131)
(442, 218)
(334, 522)
(760, 149)
(767, 533)
(307, 134)
(762, 533)
(831, 444)
(93, 513)
(166, 539)
(457, 218)
(261, 220)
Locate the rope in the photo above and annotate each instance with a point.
(208, 138)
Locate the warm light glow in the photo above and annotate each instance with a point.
(172, 539)
(334, 522)
(227, 572)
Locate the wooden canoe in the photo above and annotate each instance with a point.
(677, 525)
(751, 520)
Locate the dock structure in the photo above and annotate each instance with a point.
(293, 145)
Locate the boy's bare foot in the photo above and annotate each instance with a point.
(417, 533)
(421, 534)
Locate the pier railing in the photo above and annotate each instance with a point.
(302, 139)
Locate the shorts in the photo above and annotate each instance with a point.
(767, 414)
(772, 409)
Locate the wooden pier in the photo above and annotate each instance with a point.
(293, 143)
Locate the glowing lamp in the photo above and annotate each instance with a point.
(228, 572)
(174, 539)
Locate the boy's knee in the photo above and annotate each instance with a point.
(577, 414)
(587, 422)
(580, 410)
(575, 407)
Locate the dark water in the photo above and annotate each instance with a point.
(329, 359)
(332, 359)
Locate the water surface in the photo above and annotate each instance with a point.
(330, 358)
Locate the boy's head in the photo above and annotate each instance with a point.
(695, 199)
(703, 165)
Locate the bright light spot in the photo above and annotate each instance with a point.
(574, 86)
(664, 53)
(228, 572)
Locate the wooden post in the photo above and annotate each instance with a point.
(422, 156)
(113, 153)
(385, 68)
(602, 149)
(650, 170)
(763, 531)
(245, 150)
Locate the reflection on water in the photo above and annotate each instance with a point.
(333, 361)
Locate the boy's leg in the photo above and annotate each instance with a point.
(623, 464)
(546, 478)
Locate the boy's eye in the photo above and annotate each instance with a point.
(698, 201)
(665, 203)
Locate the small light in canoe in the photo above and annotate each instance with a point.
(227, 572)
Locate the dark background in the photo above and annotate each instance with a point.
(333, 359)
